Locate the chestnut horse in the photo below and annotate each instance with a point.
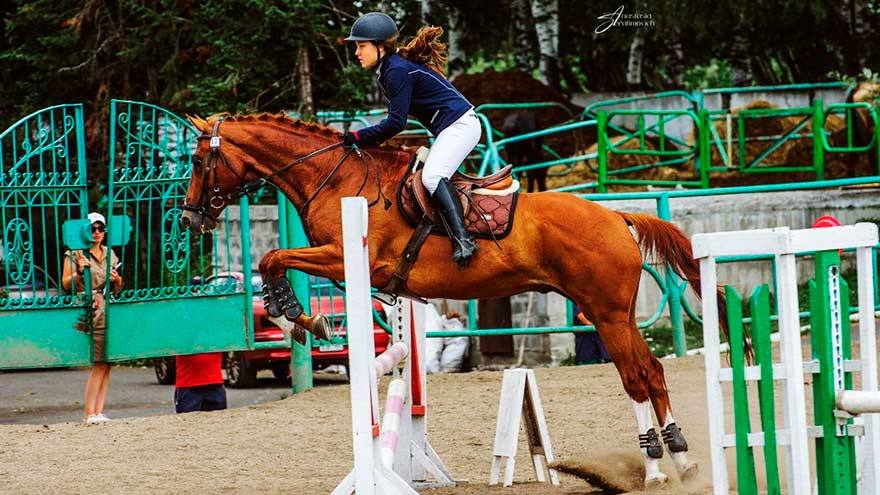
(558, 242)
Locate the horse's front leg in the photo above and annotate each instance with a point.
(281, 303)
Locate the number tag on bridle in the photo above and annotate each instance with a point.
(215, 142)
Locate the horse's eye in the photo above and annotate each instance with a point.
(196, 160)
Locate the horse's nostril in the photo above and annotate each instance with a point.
(185, 221)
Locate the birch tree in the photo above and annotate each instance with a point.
(426, 11)
(546, 16)
(634, 64)
(522, 46)
(307, 103)
(457, 56)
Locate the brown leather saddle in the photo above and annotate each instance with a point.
(488, 204)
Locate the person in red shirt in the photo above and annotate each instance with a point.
(199, 383)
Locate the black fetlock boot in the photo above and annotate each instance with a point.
(463, 244)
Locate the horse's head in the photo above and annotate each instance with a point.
(217, 177)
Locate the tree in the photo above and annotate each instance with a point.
(634, 64)
(546, 17)
(521, 41)
(457, 54)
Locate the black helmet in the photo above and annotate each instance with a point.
(374, 26)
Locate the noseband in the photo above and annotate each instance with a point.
(210, 196)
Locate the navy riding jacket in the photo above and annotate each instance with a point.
(413, 89)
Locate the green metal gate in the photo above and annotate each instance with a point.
(42, 185)
(177, 297)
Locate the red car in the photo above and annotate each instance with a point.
(242, 366)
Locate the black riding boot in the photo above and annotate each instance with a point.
(463, 244)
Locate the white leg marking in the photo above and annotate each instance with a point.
(653, 475)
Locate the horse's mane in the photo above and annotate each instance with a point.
(282, 119)
(296, 125)
(300, 126)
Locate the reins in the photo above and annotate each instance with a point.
(219, 201)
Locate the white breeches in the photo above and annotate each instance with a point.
(450, 148)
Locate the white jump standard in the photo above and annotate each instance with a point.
(847, 448)
(396, 458)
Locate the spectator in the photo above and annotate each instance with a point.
(588, 347)
(95, 258)
(199, 383)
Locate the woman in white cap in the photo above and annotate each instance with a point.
(96, 259)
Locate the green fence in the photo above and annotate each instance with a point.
(42, 185)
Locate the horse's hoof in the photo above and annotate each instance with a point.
(321, 327)
(298, 334)
(688, 472)
(655, 481)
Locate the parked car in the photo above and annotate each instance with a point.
(33, 288)
(242, 366)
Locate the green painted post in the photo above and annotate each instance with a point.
(829, 324)
(301, 355)
(569, 313)
(602, 152)
(245, 232)
(741, 139)
(705, 148)
(759, 309)
(876, 272)
(472, 314)
(818, 131)
(874, 114)
(746, 481)
(679, 341)
(84, 212)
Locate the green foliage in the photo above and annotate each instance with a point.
(233, 56)
(355, 86)
(574, 65)
(714, 74)
(866, 75)
(659, 339)
(480, 61)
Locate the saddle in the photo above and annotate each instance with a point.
(488, 202)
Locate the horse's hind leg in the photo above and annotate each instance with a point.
(669, 430)
(616, 333)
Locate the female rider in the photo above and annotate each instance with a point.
(413, 82)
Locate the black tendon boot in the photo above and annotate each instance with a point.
(463, 244)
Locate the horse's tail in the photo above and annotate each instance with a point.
(665, 242)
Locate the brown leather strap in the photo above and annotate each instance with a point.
(397, 284)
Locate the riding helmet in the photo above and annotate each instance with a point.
(374, 26)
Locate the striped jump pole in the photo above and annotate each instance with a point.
(845, 436)
(391, 421)
(392, 356)
(395, 457)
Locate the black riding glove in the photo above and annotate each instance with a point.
(349, 139)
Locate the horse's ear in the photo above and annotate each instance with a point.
(198, 122)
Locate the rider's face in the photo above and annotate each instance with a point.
(367, 53)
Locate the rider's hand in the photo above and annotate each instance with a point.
(349, 139)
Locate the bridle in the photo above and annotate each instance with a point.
(210, 196)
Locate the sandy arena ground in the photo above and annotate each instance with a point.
(302, 445)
